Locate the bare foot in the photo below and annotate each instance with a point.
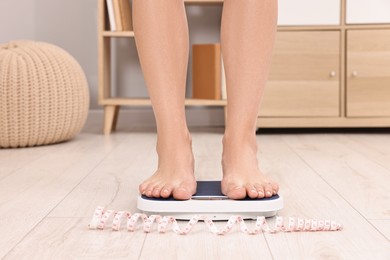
(241, 174)
(175, 173)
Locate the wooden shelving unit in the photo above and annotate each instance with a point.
(273, 113)
(112, 104)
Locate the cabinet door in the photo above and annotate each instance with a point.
(309, 12)
(368, 73)
(304, 76)
(368, 11)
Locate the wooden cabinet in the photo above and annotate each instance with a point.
(309, 12)
(368, 11)
(328, 74)
(368, 73)
(300, 85)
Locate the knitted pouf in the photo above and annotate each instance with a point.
(44, 95)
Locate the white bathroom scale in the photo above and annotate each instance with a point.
(210, 201)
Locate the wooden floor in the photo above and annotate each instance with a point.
(48, 195)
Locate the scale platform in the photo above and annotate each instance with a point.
(210, 201)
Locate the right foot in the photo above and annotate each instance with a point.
(175, 173)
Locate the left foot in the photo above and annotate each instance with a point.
(241, 173)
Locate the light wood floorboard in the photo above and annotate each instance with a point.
(47, 201)
(372, 146)
(12, 160)
(29, 194)
(383, 225)
(361, 181)
(114, 183)
(69, 238)
(307, 195)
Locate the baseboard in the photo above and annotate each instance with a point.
(196, 116)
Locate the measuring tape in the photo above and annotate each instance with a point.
(101, 217)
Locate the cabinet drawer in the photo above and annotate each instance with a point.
(368, 73)
(368, 11)
(304, 75)
(309, 12)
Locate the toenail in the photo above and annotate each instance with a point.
(253, 191)
(269, 193)
(165, 191)
(260, 192)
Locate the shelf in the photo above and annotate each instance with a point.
(118, 34)
(280, 28)
(198, 2)
(146, 102)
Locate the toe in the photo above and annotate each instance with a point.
(268, 190)
(148, 191)
(166, 191)
(236, 193)
(156, 192)
(251, 191)
(184, 190)
(181, 193)
(142, 188)
(275, 188)
(260, 191)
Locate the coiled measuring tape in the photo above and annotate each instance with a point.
(101, 216)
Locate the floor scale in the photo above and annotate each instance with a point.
(209, 201)
(206, 205)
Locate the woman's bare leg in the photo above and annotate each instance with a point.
(161, 36)
(247, 38)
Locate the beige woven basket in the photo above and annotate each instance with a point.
(44, 96)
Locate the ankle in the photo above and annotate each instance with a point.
(239, 139)
(174, 135)
(239, 149)
(174, 143)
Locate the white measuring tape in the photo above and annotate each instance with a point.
(101, 217)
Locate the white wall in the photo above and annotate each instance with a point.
(72, 25)
(17, 20)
